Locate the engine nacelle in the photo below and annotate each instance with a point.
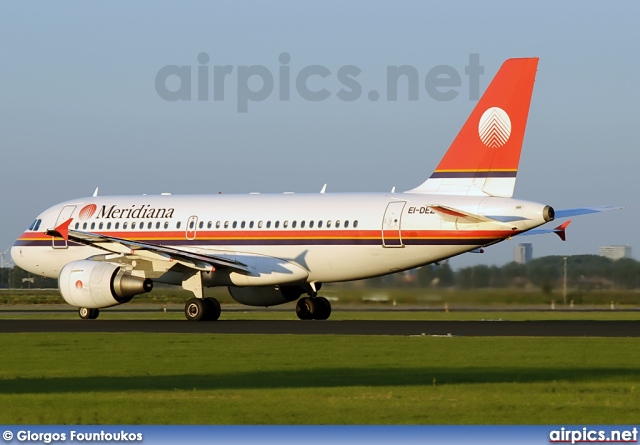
(265, 295)
(96, 284)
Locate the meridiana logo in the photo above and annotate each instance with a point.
(494, 128)
(87, 212)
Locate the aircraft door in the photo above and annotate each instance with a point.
(65, 214)
(391, 225)
(192, 227)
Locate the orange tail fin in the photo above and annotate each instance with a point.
(483, 159)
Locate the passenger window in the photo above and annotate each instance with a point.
(158, 225)
(311, 224)
(84, 226)
(178, 225)
(166, 224)
(100, 226)
(302, 225)
(124, 226)
(108, 226)
(320, 224)
(117, 225)
(226, 224)
(201, 225)
(133, 225)
(209, 224)
(242, 225)
(346, 224)
(337, 224)
(293, 225)
(251, 225)
(259, 224)
(149, 225)
(217, 224)
(93, 225)
(268, 224)
(235, 224)
(191, 224)
(285, 224)
(77, 226)
(277, 224)
(355, 224)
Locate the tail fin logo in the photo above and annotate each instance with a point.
(494, 128)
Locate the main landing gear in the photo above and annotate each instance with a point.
(88, 314)
(313, 308)
(202, 309)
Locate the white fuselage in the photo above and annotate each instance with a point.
(332, 237)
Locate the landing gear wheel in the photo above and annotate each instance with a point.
(195, 309)
(323, 309)
(212, 309)
(88, 314)
(305, 308)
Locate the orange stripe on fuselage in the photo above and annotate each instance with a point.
(205, 235)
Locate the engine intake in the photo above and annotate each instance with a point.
(95, 284)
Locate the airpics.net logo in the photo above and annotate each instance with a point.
(314, 83)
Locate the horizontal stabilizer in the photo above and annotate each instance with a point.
(565, 213)
(460, 216)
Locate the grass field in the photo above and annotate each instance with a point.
(133, 378)
(286, 379)
(151, 313)
(425, 297)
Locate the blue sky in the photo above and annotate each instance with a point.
(79, 108)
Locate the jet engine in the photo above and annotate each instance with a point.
(265, 295)
(95, 284)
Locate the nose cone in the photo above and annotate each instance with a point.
(17, 256)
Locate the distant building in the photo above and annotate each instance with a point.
(615, 252)
(523, 253)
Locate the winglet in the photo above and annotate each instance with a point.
(560, 230)
(62, 231)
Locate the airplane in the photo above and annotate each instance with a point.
(270, 249)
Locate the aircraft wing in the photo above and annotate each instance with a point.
(204, 262)
(565, 213)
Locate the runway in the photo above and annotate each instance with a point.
(348, 327)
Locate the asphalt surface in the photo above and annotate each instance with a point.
(351, 327)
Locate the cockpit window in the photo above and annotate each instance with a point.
(33, 224)
(38, 221)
